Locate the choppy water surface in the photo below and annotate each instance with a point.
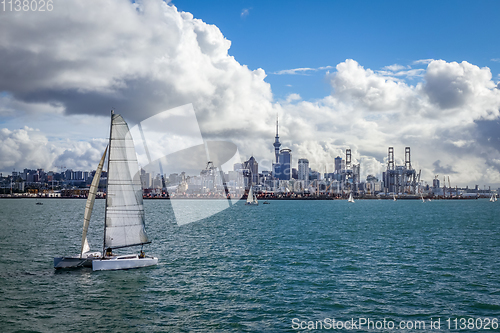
(255, 268)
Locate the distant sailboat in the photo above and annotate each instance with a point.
(351, 199)
(423, 200)
(251, 198)
(124, 214)
(493, 198)
(394, 197)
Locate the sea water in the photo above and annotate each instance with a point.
(268, 268)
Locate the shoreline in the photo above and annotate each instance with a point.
(265, 198)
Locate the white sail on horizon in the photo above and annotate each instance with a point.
(250, 195)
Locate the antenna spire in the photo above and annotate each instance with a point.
(276, 125)
(277, 143)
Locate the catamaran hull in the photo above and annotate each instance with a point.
(76, 261)
(123, 263)
(70, 262)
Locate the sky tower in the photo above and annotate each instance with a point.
(277, 143)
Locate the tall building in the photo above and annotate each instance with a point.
(174, 179)
(356, 174)
(284, 165)
(277, 143)
(253, 167)
(145, 179)
(78, 175)
(338, 164)
(304, 170)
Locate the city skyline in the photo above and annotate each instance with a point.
(363, 76)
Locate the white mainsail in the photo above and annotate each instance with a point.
(351, 199)
(90, 204)
(250, 196)
(124, 203)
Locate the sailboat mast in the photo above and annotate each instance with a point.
(107, 185)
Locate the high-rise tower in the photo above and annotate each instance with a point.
(304, 170)
(277, 143)
(285, 162)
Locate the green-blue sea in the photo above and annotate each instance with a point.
(287, 266)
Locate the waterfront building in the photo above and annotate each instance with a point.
(283, 170)
(372, 185)
(356, 176)
(253, 167)
(78, 175)
(314, 175)
(284, 186)
(335, 187)
(299, 186)
(304, 170)
(174, 179)
(276, 170)
(145, 179)
(338, 164)
(157, 182)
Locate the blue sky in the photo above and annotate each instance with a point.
(280, 35)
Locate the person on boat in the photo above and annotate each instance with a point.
(109, 252)
(142, 255)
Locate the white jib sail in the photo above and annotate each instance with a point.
(124, 206)
(250, 195)
(90, 204)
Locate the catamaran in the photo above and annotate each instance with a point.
(124, 214)
(251, 198)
